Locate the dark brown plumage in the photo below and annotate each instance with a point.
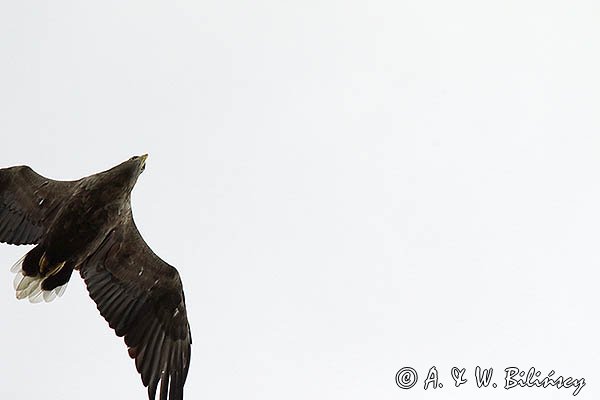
(87, 225)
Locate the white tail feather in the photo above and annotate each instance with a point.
(61, 289)
(49, 296)
(18, 265)
(37, 298)
(31, 286)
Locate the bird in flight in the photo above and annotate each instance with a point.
(87, 225)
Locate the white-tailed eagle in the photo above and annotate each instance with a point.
(87, 225)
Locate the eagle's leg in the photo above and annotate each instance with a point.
(39, 279)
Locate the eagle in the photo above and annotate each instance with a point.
(87, 225)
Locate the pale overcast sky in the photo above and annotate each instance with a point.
(346, 187)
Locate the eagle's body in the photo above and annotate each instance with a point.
(87, 225)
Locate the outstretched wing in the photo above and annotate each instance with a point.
(141, 297)
(28, 203)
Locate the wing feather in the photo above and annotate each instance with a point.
(141, 297)
(28, 203)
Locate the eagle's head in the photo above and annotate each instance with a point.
(123, 177)
(138, 162)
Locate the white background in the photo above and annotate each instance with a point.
(346, 188)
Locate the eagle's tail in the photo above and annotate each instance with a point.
(37, 280)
